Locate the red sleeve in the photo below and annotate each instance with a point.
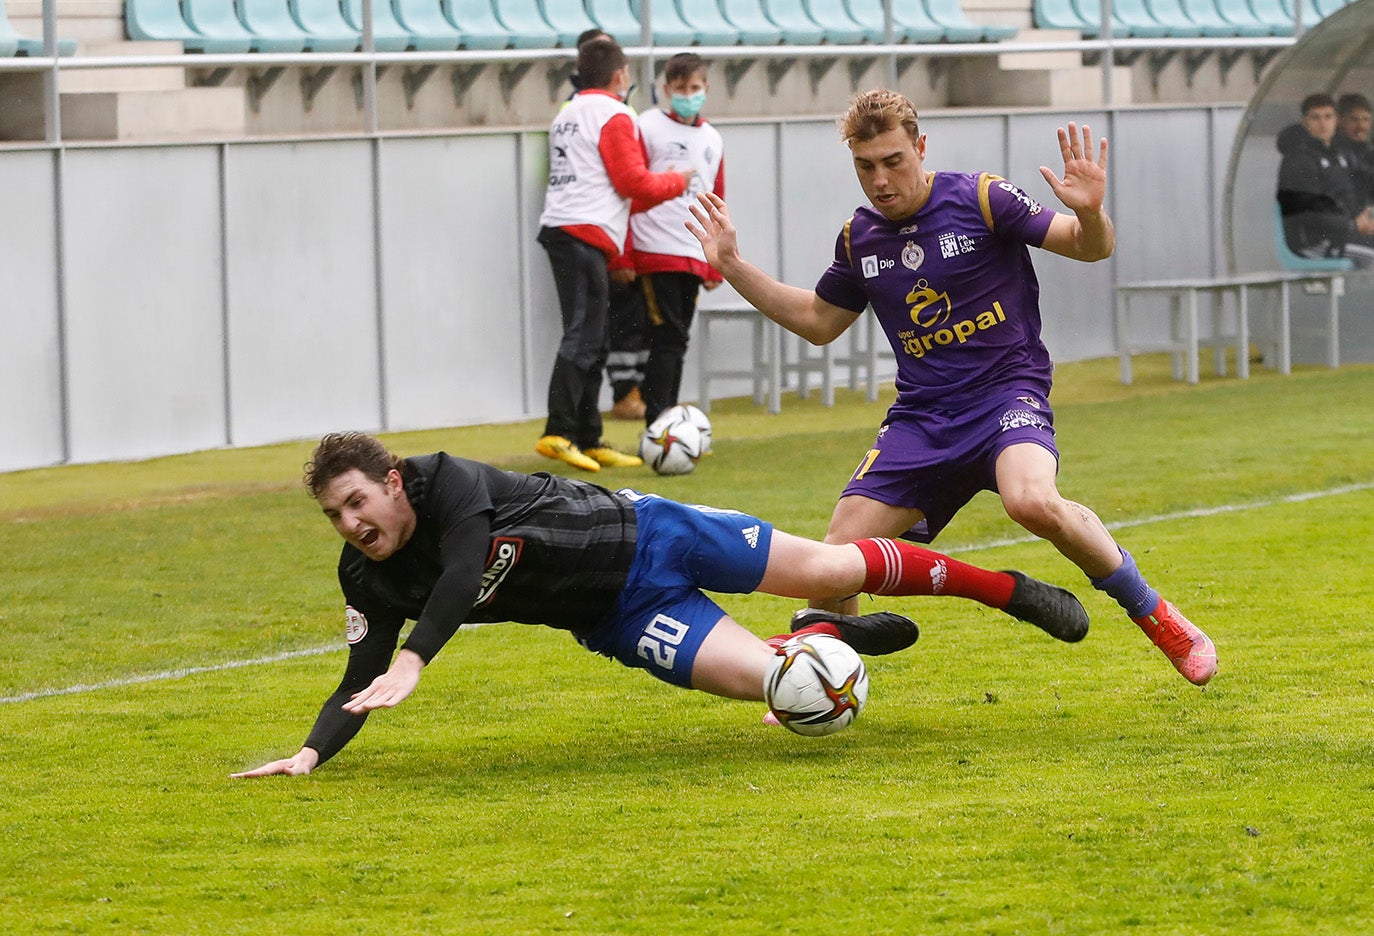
(720, 178)
(625, 260)
(623, 153)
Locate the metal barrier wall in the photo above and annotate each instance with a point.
(201, 295)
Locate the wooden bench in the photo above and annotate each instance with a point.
(1182, 297)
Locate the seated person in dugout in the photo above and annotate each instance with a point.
(1323, 215)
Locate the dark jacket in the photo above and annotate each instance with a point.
(1316, 198)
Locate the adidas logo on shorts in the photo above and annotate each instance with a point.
(751, 536)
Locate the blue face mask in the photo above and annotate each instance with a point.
(687, 106)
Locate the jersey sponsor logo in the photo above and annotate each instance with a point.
(872, 265)
(751, 536)
(1032, 206)
(918, 345)
(355, 624)
(952, 244)
(505, 553)
(1030, 401)
(913, 256)
(927, 307)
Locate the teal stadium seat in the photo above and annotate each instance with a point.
(1272, 14)
(477, 23)
(526, 24)
(1239, 14)
(950, 15)
(424, 20)
(1312, 12)
(705, 18)
(1204, 14)
(11, 43)
(568, 18)
(1326, 7)
(1061, 14)
(840, 28)
(615, 18)
(790, 17)
(1292, 260)
(669, 28)
(388, 35)
(163, 21)
(271, 24)
(869, 13)
(324, 21)
(747, 16)
(1129, 18)
(1170, 15)
(218, 18)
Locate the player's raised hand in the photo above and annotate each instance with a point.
(1084, 185)
(304, 762)
(391, 688)
(714, 229)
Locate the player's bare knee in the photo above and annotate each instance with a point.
(1039, 512)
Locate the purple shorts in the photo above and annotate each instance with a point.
(938, 459)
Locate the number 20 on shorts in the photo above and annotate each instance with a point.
(660, 640)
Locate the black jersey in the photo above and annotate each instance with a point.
(489, 545)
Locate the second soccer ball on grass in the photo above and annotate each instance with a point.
(676, 440)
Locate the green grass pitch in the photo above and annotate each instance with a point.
(998, 782)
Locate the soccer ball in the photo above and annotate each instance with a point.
(817, 686)
(686, 412)
(671, 448)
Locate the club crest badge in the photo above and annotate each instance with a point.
(912, 256)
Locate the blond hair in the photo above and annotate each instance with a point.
(874, 112)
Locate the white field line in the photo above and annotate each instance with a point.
(334, 647)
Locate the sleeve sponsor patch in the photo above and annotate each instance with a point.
(355, 624)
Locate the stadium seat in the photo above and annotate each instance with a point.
(615, 19)
(669, 29)
(1060, 14)
(476, 22)
(1325, 8)
(790, 17)
(218, 18)
(840, 28)
(869, 14)
(705, 18)
(424, 20)
(1129, 18)
(11, 43)
(1204, 15)
(388, 35)
(163, 21)
(1239, 14)
(527, 26)
(271, 24)
(323, 20)
(568, 18)
(1170, 15)
(950, 15)
(1292, 260)
(747, 16)
(1272, 14)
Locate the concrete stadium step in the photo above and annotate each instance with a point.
(174, 114)
(1039, 61)
(1048, 87)
(85, 21)
(124, 79)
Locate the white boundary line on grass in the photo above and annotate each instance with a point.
(331, 648)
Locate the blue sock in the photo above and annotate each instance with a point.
(1129, 588)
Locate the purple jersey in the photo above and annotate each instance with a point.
(952, 286)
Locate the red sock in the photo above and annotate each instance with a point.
(820, 627)
(899, 568)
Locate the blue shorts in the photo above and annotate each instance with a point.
(662, 617)
(937, 460)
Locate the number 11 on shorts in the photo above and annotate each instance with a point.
(865, 464)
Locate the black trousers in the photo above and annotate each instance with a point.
(582, 282)
(628, 348)
(671, 302)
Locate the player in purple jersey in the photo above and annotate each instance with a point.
(942, 258)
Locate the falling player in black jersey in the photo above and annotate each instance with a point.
(444, 540)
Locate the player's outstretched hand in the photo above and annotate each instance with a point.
(714, 229)
(304, 762)
(391, 688)
(1084, 185)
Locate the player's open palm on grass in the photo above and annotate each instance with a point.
(1084, 185)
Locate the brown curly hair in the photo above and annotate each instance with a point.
(875, 112)
(340, 452)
